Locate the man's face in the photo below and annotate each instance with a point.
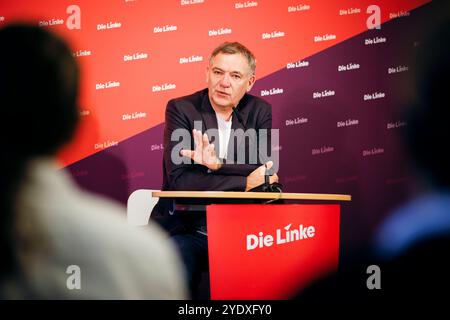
(229, 77)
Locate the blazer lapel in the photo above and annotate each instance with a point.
(237, 125)
(209, 119)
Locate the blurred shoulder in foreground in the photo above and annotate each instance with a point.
(58, 242)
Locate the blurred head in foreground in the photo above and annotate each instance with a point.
(49, 227)
(38, 90)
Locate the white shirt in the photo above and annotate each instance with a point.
(224, 135)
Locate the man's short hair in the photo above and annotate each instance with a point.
(234, 48)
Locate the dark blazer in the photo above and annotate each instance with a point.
(254, 113)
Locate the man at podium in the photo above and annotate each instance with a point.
(216, 139)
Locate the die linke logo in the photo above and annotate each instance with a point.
(156, 147)
(372, 152)
(134, 116)
(219, 32)
(299, 7)
(298, 64)
(347, 123)
(348, 67)
(399, 14)
(375, 40)
(166, 28)
(296, 121)
(395, 125)
(282, 236)
(109, 25)
(243, 5)
(163, 87)
(73, 21)
(51, 22)
(273, 34)
(271, 92)
(323, 94)
(344, 12)
(190, 59)
(135, 56)
(188, 2)
(106, 144)
(322, 150)
(325, 37)
(107, 85)
(374, 96)
(398, 69)
(82, 53)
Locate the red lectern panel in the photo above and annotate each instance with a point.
(270, 251)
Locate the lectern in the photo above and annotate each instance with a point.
(265, 251)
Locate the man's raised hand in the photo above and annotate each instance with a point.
(203, 152)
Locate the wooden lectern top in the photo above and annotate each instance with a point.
(251, 195)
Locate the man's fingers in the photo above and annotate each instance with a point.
(205, 139)
(274, 178)
(210, 148)
(197, 139)
(262, 170)
(187, 153)
(207, 155)
(207, 150)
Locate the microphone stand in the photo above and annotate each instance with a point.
(266, 187)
